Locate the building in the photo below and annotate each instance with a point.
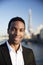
(41, 33)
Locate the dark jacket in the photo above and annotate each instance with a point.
(5, 56)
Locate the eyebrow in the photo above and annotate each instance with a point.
(15, 27)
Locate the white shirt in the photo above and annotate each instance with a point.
(16, 58)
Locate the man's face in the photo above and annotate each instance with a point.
(16, 32)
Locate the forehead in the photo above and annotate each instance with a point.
(17, 24)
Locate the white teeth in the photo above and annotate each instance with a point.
(17, 38)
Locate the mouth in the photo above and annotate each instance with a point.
(17, 38)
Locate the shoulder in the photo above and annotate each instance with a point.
(28, 52)
(27, 49)
(2, 44)
(3, 47)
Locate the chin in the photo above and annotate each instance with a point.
(16, 42)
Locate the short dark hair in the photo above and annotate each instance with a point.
(14, 19)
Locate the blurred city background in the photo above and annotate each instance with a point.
(32, 12)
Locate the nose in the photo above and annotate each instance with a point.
(17, 32)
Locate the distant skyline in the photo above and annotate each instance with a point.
(12, 8)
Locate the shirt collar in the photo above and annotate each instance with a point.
(11, 49)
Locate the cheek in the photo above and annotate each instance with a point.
(11, 35)
(22, 35)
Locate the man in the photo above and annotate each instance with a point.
(12, 52)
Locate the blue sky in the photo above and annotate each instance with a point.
(12, 8)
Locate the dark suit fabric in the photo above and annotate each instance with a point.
(5, 56)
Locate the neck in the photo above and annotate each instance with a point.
(14, 46)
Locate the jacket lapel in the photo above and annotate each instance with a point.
(6, 55)
(25, 56)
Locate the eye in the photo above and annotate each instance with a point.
(21, 30)
(13, 29)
